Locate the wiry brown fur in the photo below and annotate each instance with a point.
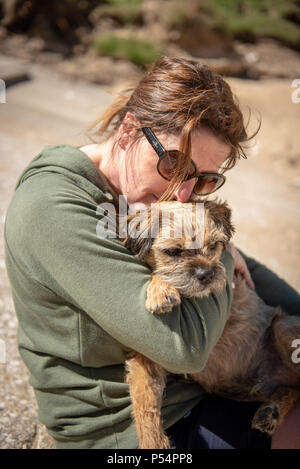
(252, 359)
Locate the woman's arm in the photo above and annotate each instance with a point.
(271, 288)
(51, 232)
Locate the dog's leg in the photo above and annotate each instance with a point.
(271, 413)
(147, 382)
(285, 329)
(161, 296)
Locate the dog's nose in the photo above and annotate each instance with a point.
(204, 275)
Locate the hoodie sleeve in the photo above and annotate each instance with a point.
(272, 289)
(51, 230)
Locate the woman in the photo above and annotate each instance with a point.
(80, 297)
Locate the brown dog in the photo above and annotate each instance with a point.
(252, 361)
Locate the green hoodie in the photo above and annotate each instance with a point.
(80, 302)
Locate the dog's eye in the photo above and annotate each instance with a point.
(173, 252)
(212, 247)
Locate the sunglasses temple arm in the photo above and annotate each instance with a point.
(160, 150)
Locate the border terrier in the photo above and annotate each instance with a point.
(252, 360)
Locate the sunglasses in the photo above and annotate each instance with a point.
(167, 162)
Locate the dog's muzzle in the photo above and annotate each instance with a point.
(204, 275)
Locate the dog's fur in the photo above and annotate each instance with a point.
(252, 359)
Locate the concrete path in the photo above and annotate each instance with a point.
(264, 192)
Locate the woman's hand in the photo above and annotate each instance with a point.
(240, 265)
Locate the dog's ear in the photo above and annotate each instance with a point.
(142, 229)
(140, 246)
(221, 215)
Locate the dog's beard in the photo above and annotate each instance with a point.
(189, 285)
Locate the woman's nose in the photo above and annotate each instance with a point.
(184, 191)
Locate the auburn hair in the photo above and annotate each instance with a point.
(177, 96)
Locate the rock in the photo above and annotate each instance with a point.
(268, 58)
(234, 67)
(13, 71)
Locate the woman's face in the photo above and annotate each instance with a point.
(144, 184)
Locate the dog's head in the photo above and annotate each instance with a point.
(183, 243)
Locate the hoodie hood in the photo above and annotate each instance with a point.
(72, 163)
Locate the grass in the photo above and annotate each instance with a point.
(125, 3)
(137, 51)
(244, 19)
(256, 17)
(127, 10)
(264, 26)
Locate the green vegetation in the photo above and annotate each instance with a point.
(125, 3)
(243, 19)
(176, 12)
(138, 51)
(256, 18)
(128, 11)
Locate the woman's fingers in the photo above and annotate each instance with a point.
(245, 272)
(241, 266)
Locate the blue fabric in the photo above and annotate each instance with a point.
(218, 423)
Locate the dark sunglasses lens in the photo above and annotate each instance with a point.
(168, 163)
(208, 184)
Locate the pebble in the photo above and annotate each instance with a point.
(5, 316)
(4, 420)
(12, 323)
(23, 401)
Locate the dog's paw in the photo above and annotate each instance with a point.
(161, 297)
(266, 418)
